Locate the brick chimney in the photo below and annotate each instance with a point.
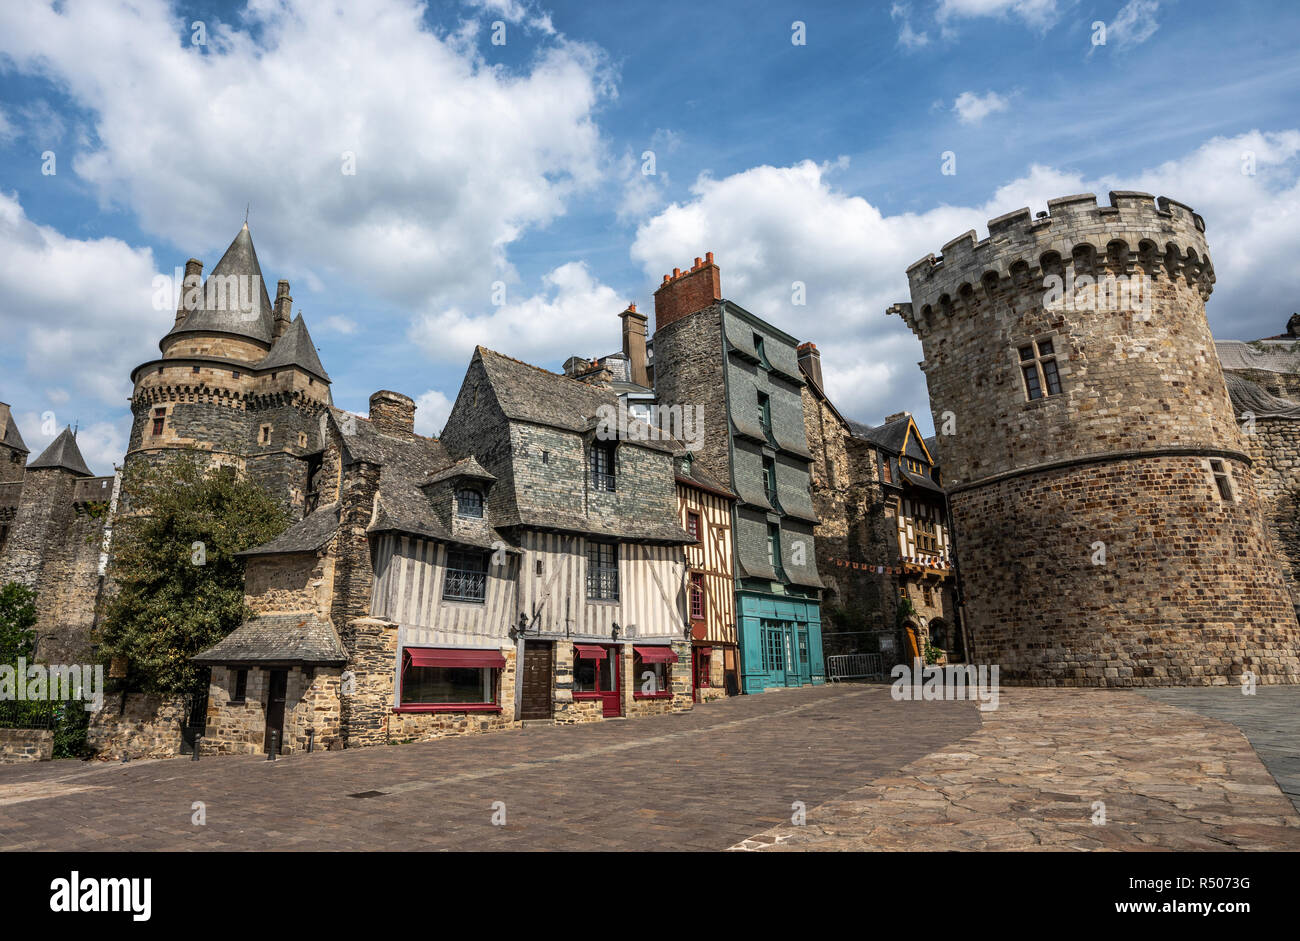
(685, 292)
(634, 345)
(193, 279)
(810, 361)
(283, 310)
(393, 414)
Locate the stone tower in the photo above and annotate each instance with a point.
(238, 378)
(1107, 526)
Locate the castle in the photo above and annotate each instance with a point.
(1106, 506)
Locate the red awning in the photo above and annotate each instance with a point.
(589, 652)
(705, 651)
(454, 657)
(656, 654)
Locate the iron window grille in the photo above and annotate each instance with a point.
(602, 467)
(602, 571)
(1038, 367)
(469, 503)
(466, 576)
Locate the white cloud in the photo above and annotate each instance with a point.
(102, 444)
(338, 324)
(972, 108)
(908, 38)
(771, 226)
(7, 130)
(1040, 14)
(1135, 23)
(80, 310)
(455, 157)
(513, 11)
(549, 325)
(431, 411)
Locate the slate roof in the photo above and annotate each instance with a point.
(465, 467)
(1251, 397)
(11, 437)
(257, 321)
(691, 474)
(295, 349)
(63, 452)
(532, 394)
(300, 637)
(307, 535)
(889, 436)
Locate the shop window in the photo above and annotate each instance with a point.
(652, 672)
(449, 677)
(592, 675)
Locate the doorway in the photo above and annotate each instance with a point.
(277, 686)
(537, 698)
(596, 675)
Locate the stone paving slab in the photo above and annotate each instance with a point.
(697, 781)
(1269, 718)
(1170, 779)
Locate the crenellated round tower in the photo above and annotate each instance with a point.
(1107, 525)
(237, 378)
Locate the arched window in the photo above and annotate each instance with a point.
(469, 503)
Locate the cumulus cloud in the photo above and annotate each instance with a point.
(908, 38)
(431, 411)
(772, 226)
(454, 157)
(550, 325)
(972, 108)
(81, 309)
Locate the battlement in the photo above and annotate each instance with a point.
(1134, 228)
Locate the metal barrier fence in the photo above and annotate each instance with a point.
(854, 666)
(27, 714)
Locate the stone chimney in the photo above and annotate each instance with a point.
(810, 361)
(685, 292)
(896, 416)
(193, 279)
(283, 310)
(392, 413)
(634, 345)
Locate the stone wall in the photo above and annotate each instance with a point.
(1275, 447)
(19, 745)
(149, 727)
(1119, 459)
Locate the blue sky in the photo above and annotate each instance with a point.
(523, 163)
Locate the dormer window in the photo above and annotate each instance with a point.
(765, 411)
(602, 466)
(469, 504)
(758, 348)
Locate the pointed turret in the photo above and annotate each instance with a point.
(234, 298)
(9, 435)
(295, 349)
(63, 453)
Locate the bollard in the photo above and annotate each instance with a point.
(198, 739)
(311, 737)
(275, 746)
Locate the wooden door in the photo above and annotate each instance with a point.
(537, 692)
(277, 687)
(608, 676)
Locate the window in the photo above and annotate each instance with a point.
(159, 417)
(652, 678)
(466, 576)
(765, 411)
(1222, 480)
(925, 535)
(302, 439)
(602, 571)
(769, 480)
(929, 596)
(266, 434)
(427, 686)
(602, 467)
(234, 373)
(693, 525)
(704, 667)
(758, 348)
(774, 547)
(591, 675)
(469, 503)
(546, 457)
(697, 596)
(773, 648)
(239, 689)
(194, 370)
(887, 470)
(1038, 367)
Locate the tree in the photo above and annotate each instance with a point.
(17, 615)
(179, 585)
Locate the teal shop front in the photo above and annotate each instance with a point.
(780, 639)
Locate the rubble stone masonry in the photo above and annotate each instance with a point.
(1121, 460)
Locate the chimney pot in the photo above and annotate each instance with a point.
(677, 272)
(709, 256)
(687, 292)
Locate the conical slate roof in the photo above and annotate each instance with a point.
(63, 452)
(9, 431)
(230, 310)
(295, 349)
